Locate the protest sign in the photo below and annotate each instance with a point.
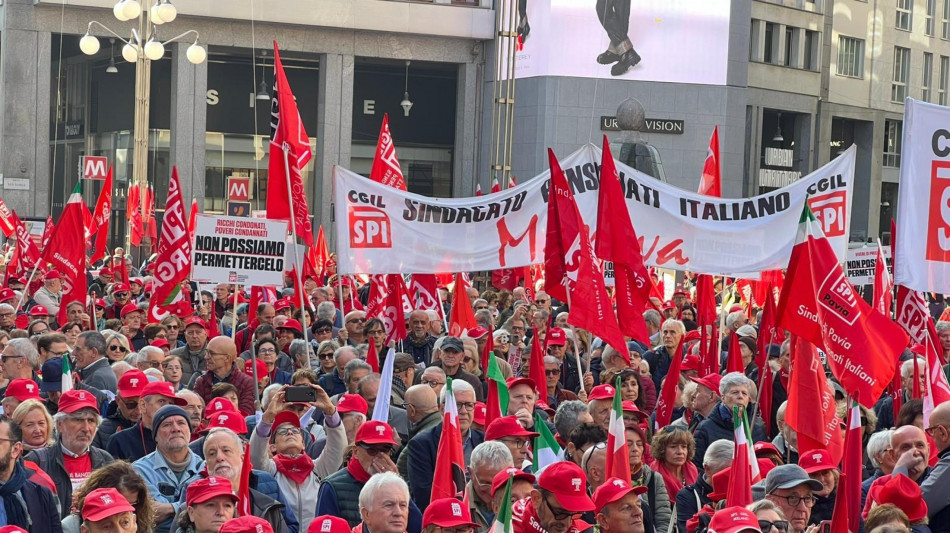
(678, 229)
(861, 263)
(240, 250)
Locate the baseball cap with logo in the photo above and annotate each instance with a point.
(74, 400)
(283, 303)
(22, 390)
(352, 403)
(568, 484)
(246, 524)
(816, 461)
(162, 388)
(194, 321)
(160, 343)
(501, 478)
(38, 310)
(507, 426)
(131, 384)
(556, 337)
(286, 417)
(6, 294)
(103, 503)
(217, 405)
(481, 413)
(711, 382)
(601, 392)
(12, 529)
(733, 520)
(128, 309)
(447, 512)
(261, 369)
(292, 325)
(227, 419)
(375, 432)
(513, 382)
(328, 524)
(612, 490)
(120, 287)
(207, 488)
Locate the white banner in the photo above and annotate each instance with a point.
(381, 230)
(240, 250)
(923, 207)
(862, 262)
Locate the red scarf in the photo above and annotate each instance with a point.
(356, 470)
(298, 468)
(673, 483)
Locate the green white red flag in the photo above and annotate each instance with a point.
(745, 469)
(545, 446)
(448, 480)
(496, 404)
(502, 523)
(66, 252)
(618, 455)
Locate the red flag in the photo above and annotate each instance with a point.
(938, 390)
(66, 253)
(386, 169)
(895, 391)
(448, 480)
(916, 392)
(212, 323)
(244, 487)
(809, 394)
(478, 189)
(505, 278)
(173, 264)
(393, 313)
(765, 396)
(734, 356)
(666, 401)
(821, 305)
(372, 355)
(192, 220)
(462, 318)
(536, 367)
(841, 516)
(7, 224)
(711, 182)
(883, 284)
(29, 253)
(120, 269)
(12, 267)
(48, 230)
(529, 283)
(711, 355)
(317, 258)
(289, 154)
(495, 187)
(424, 291)
(769, 333)
(849, 484)
(100, 219)
(706, 318)
(618, 454)
(512, 182)
(617, 241)
(133, 204)
(377, 296)
(569, 267)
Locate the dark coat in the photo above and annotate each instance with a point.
(717, 426)
(40, 507)
(50, 460)
(112, 423)
(659, 361)
(333, 384)
(339, 496)
(131, 444)
(686, 500)
(100, 376)
(423, 449)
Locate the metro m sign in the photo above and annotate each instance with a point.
(94, 167)
(239, 189)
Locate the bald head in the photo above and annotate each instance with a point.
(220, 356)
(940, 426)
(421, 401)
(910, 448)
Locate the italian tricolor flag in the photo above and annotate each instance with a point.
(618, 456)
(745, 468)
(546, 448)
(502, 523)
(67, 378)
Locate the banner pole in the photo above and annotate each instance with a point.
(293, 229)
(257, 387)
(234, 313)
(577, 356)
(26, 289)
(765, 368)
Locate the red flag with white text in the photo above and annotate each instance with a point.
(386, 169)
(811, 409)
(29, 253)
(101, 218)
(173, 264)
(50, 226)
(7, 225)
(666, 401)
(883, 284)
(66, 253)
(393, 313)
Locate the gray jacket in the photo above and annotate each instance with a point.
(100, 376)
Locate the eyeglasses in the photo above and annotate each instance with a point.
(794, 499)
(467, 406)
(517, 443)
(5, 357)
(766, 526)
(121, 294)
(58, 354)
(267, 351)
(376, 450)
(7, 314)
(131, 404)
(541, 301)
(355, 320)
(118, 348)
(327, 355)
(156, 364)
(322, 331)
(933, 429)
(283, 432)
(467, 359)
(553, 372)
(432, 383)
(558, 513)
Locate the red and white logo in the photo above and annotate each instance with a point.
(134, 382)
(106, 499)
(239, 189)
(95, 168)
(830, 211)
(456, 509)
(369, 227)
(380, 430)
(938, 218)
(836, 294)
(29, 387)
(326, 526)
(576, 483)
(222, 419)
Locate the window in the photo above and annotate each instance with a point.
(769, 55)
(944, 79)
(928, 77)
(851, 57)
(904, 12)
(892, 143)
(931, 13)
(945, 20)
(901, 73)
(788, 46)
(811, 51)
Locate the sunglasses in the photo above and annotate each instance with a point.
(766, 526)
(554, 372)
(355, 320)
(322, 331)
(121, 294)
(328, 355)
(376, 450)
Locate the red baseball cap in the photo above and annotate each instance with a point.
(131, 384)
(710, 381)
(160, 343)
(128, 309)
(692, 336)
(137, 281)
(447, 512)
(38, 310)
(261, 369)
(375, 432)
(816, 460)
(52, 274)
(691, 362)
(733, 520)
(567, 482)
(765, 447)
(103, 503)
(669, 305)
(501, 478)
(100, 303)
(601, 392)
(105, 270)
(6, 294)
(514, 382)
(350, 403)
(224, 418)
(328, 524)
(720, 484)
(162, 388)
(22, 390)
(680, 291)
(217, 405)
(75, 399)
(283, 303)
(612, 490)
(901, 491)
(556, 337)
(12, 529)
(195, 321)
(207, 488)
(121, 287)
(629, 406)
(481, 413)
(477, 332)
(246, 524)
(507, 426)
(286, 417)
(291, 324)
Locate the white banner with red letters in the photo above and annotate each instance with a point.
(923, 207)
(382, 230)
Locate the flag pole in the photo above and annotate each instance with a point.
(293, 229)
(257, 387)
(234, 313)
(580, 368)
(29, 280)
(765, 368)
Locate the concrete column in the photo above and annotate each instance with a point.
(779, 44)
(466, 128)
(188, 123)
(24, 111)
(334, 134)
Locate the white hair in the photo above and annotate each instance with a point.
(492, 453)
(458, 386)
(377, 482)
(719, 455)
(907, 367)
(268, 393)
(734, 379)
(238, 443)
(879, 443)
(675, 324)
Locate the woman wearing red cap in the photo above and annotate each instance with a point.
(120, 476)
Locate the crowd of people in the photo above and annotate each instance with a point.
(236, 419)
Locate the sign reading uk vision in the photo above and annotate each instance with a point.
(650, 125)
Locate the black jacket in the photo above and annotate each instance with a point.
(40, 508)
(659, 361)
(50, 460)
(132, 444)
(717, 426)
(423, 449)
(687, 498)
(111, 424)
(339, 496)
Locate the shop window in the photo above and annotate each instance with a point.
(901, 74)
(892, 143)
(904, 14)
(851, 57)
(927, 89)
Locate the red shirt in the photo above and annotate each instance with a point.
(79, 468)
(524, 519)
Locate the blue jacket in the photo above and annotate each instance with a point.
(131, 443)
(333, 384)
(718, 426)
(163, 484)
(423, 449)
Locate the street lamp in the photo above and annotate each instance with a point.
(142, 47)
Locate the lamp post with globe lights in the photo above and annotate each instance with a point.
(142, 47)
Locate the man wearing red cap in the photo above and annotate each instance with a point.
(124, 411)
(99, 284)
(734, 520)
(72, 458)
(556, 341)
(51, 293)
(210, 502)
(552, 507)
(220, 363)
(132, 319)
(522, 483)
(138, 440)
(24, 503)
(447, 514)
(618, 506)
(121, 295)
(107, 511)
(705, 399)
(277, 447)
(17, 392)
(512, 434)
(192, 354)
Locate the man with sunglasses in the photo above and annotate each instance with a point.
(138, 440)
(936, 488)
(124, 411)
(339, 493)
(556, 504)
(121, 295)
(790, 488)
(352, 332)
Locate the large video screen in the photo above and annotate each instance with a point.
(683, 41)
